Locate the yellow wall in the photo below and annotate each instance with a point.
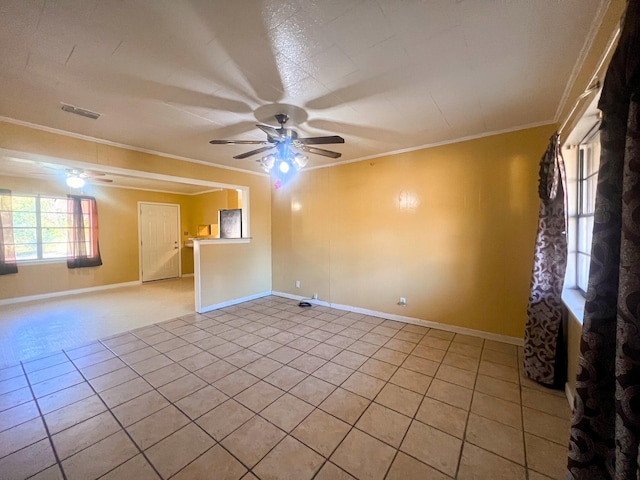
(462, 256)
(118, 223)
(233, 200)
(205, 208)
(450, 228)
(117, 210)
(232, 271)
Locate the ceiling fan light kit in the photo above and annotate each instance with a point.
(75, 181)
(267, 162)
(299, 161)
(77, 178)
(286, 160)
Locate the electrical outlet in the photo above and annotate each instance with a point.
(315, 296)
(402, 302)
(297, 283)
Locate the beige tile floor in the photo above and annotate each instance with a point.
(269, 390)
(30, 329)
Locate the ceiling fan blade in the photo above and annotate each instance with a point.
(253, 152)
(105, 180)
(321, 140)
(92, 174)
(321, 151)
(271, 132)
(238, 142)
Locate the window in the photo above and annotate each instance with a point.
(42, 227)
(588, 165)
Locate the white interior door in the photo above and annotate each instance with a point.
(159, 241)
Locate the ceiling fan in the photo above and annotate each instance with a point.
(76, 177)
(87, 174)
(282, 139)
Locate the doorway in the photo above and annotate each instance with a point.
(159, 225)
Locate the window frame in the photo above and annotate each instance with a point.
(40, 258)
(588, 157)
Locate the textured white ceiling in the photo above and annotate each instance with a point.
(387, 75)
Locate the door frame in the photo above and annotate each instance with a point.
(179, 236)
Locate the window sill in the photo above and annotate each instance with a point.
(574, 301)
(41, 262)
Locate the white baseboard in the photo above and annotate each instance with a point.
(63, 293)
(414, 321)
(235, 301)
(187, 275)
(300, 297)
(348, 308)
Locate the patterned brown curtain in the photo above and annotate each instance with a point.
(544, 355)
(7, 248)
(605, 430)
(83, 249)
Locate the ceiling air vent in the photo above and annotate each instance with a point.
(80, 111)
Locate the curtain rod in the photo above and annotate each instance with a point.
(593, 88)
(594, 84)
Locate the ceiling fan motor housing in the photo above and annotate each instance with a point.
(282, 118)
(288, 133)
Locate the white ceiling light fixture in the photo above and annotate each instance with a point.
(283, 164)
(267, 163)
(76, 178)
(75, 181)
(299, 161)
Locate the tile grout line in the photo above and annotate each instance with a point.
(468, 411)
(287, 434)
(397, 449)
(171, 403)
(119, 424)
(371, 401)
(193, 420)
(316, 408)
(261, 379)
(419, 406)
(524, 436)
(466, 424)
(46, 427)
(326, 459)
(395, 455)
(523, 431)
